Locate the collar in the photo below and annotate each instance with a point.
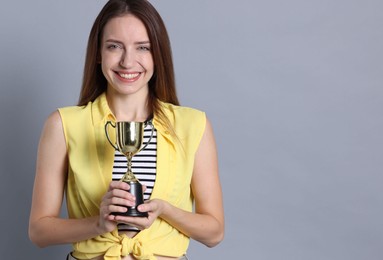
(101, 113)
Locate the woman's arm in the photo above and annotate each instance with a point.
(206, 225)
(45, 225)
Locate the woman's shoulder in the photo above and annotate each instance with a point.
(53, 121)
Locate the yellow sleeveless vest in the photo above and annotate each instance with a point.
(90, 159)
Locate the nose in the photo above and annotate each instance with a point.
(127, 59)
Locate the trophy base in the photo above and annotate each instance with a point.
(136, 190)
(132, 212)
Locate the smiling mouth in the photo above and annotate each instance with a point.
(129, 75)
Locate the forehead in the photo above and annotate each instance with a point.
(127, 27)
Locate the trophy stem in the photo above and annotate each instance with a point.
(129, 176)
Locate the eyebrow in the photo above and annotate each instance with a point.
(120, 42)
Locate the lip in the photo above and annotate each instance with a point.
(128, 77)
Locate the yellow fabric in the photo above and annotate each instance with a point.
(90, 172)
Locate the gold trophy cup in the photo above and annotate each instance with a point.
(129, 139)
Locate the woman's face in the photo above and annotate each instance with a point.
(126, 58)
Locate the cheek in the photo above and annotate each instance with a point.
(104, 69)
(149, 64)
(109, 58)
(107, 64)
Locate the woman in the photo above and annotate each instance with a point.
(128, 76)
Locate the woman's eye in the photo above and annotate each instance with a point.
(144, 48)
(113, 46)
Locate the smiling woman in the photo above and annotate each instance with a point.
(128, 76)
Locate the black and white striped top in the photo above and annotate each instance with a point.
(144, 165)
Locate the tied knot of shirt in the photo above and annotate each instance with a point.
(128, 246)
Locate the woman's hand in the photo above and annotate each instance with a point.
(153, 207)
(116, 199)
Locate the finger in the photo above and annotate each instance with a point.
(122, 194)
(122, 202)
(118, 185)
(116, 209)
(139, 222)
(146, 207)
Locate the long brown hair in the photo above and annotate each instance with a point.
(161, 85)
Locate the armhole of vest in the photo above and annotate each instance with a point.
(64, 127)
(203, 128)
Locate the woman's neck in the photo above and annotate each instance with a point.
(128, 108)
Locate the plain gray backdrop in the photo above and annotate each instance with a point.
(294, 90)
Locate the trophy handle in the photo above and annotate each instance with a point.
(151, 135)
(107, 133)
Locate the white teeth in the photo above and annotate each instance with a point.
(129, 76)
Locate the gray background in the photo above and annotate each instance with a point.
(293, 89)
